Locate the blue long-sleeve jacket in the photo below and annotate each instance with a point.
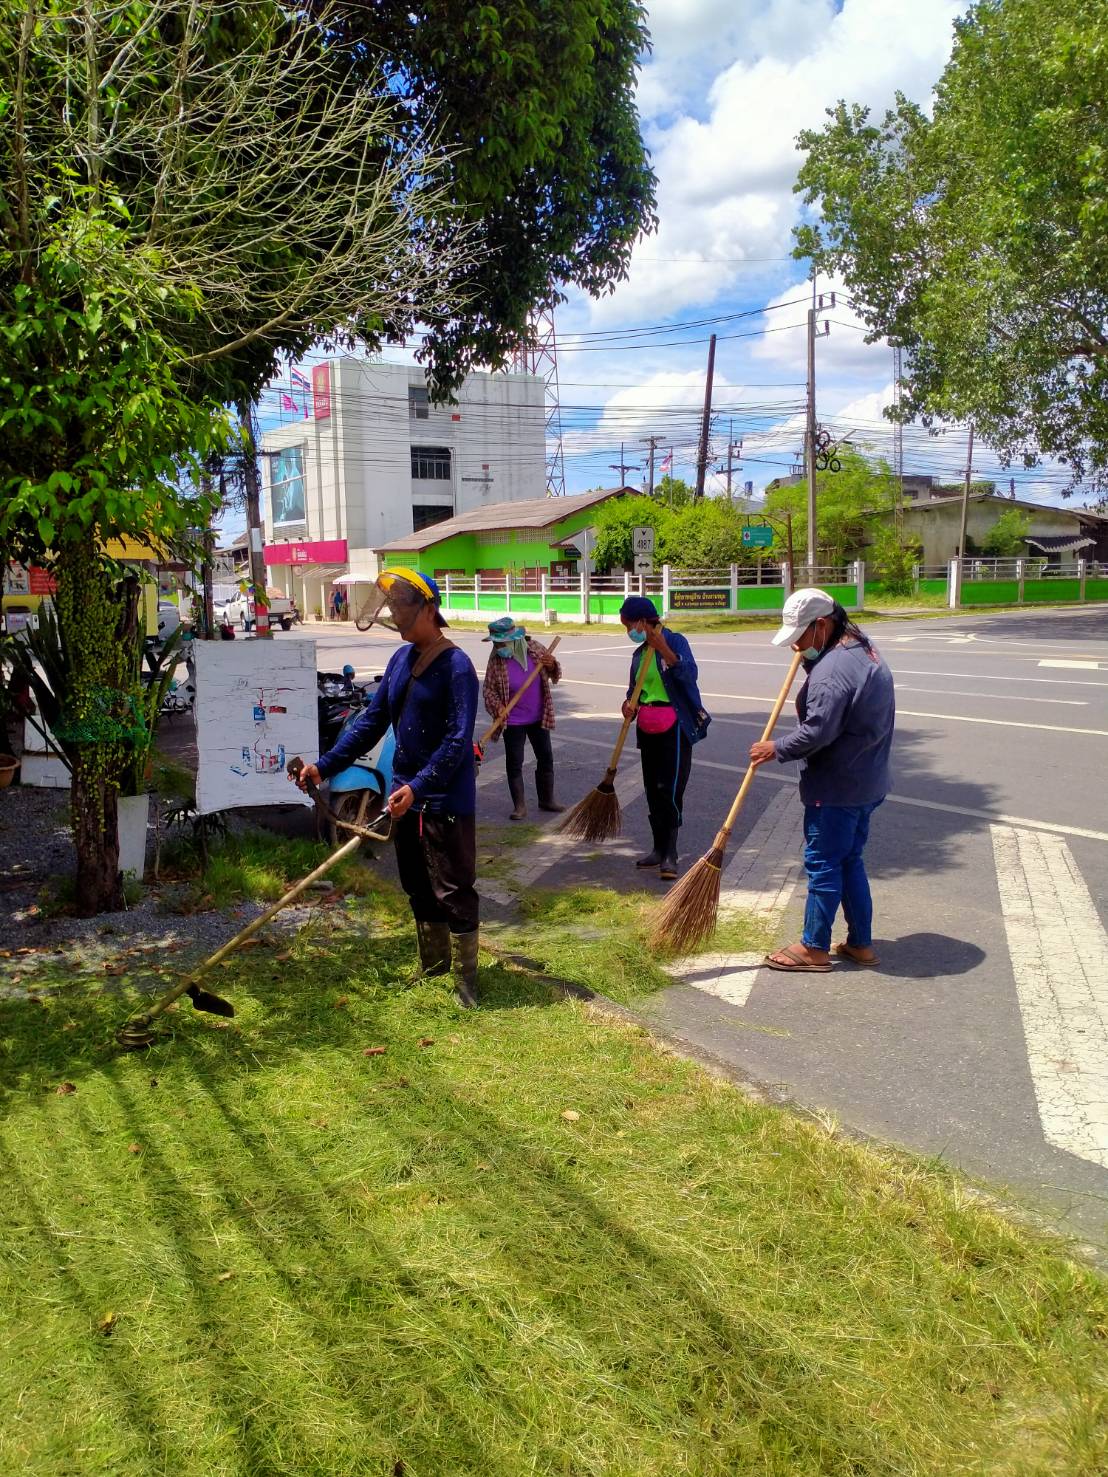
(846, 709)
(680, 683)
(433, 724)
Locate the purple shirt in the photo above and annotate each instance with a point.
(529, 708)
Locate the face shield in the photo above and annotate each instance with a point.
(394, 601)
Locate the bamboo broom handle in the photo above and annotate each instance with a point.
(733, 813)
(500, 722)
(644, 669)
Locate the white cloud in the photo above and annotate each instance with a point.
(725, 152)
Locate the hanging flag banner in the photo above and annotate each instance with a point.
(321, 391)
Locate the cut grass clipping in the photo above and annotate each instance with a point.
(357, 1230)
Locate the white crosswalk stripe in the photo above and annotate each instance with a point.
(1059, 955)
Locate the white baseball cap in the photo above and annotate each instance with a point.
(801, 609)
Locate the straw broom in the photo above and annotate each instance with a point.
(498, 727)
(689, 912)
(597, 817)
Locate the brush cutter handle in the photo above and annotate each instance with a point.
(644, 671)
(733, 813)
(495, 730)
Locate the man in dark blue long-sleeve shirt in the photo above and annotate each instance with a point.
(847, 710)
(429, 696)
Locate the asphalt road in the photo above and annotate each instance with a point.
(983, 1037)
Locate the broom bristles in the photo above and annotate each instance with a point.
(598, 816)
(689, 913)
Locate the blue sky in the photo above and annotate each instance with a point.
(722, 96)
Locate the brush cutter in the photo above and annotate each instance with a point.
(136, 1033)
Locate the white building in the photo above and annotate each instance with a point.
(373, 461)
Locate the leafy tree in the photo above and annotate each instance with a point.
(893, 558)
(705, 535)
(978, 238)
(843, 500)
(535, 108)
(1007, 537)
(614, 521)
(189, 191)
(675, 492)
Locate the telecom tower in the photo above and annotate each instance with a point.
(898, 447)
(540, 357)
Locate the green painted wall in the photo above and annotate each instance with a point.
(468, 552)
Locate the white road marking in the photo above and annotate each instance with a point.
(1084, 665)
(899, 672)
(759, 879)
(1059, 958)
(769, 773)
(746, 697)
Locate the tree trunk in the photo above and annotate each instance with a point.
(100, 631)
(95, 816)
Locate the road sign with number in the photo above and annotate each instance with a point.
(642, 540)
(757, 538)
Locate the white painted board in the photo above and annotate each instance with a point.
(255, 710)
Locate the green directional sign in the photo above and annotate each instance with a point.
(757, 538)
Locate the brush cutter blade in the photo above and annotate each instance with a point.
(213, 1004)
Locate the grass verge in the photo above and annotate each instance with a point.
(356, 1230)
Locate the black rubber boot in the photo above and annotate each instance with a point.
(669, 858)
(434, 948)
(654, 857)
(519, 797)
(544, 784)
(464, 947)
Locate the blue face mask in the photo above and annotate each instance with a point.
(637, 636)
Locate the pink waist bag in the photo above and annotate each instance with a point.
(659, 718)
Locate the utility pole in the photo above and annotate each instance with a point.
(705, 425)
(734, 449)
(810, 429)
(623, 467)
(252, 484)
(965, 517)
(898, 446)
(650, 442)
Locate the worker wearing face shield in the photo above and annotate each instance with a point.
(429, 697)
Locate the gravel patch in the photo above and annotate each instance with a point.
(36, 852)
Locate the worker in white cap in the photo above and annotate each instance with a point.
(846, 711)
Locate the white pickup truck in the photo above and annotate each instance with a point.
(282, 612)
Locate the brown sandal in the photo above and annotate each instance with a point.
(844, 951)
(799, 966)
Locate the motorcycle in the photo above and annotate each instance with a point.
(358, 792)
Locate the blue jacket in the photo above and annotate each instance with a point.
(433, 724)
(847, 709)
(679, 683)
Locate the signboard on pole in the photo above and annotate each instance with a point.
(644, 564)
(642, 540)
(757, 538)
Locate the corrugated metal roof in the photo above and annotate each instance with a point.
(1058, 543)
(539, 512)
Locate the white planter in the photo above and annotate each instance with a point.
(134, 819)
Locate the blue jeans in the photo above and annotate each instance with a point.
(834, 839)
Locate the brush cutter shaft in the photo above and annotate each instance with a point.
(166, 1000)
(644, 671)
(496, 728)
(733, 813)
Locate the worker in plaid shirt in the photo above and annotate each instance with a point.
(514, 657)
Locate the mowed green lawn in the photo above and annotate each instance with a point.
(519, 1240)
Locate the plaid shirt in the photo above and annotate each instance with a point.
(495, 689)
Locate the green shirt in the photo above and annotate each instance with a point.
(653, 690)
